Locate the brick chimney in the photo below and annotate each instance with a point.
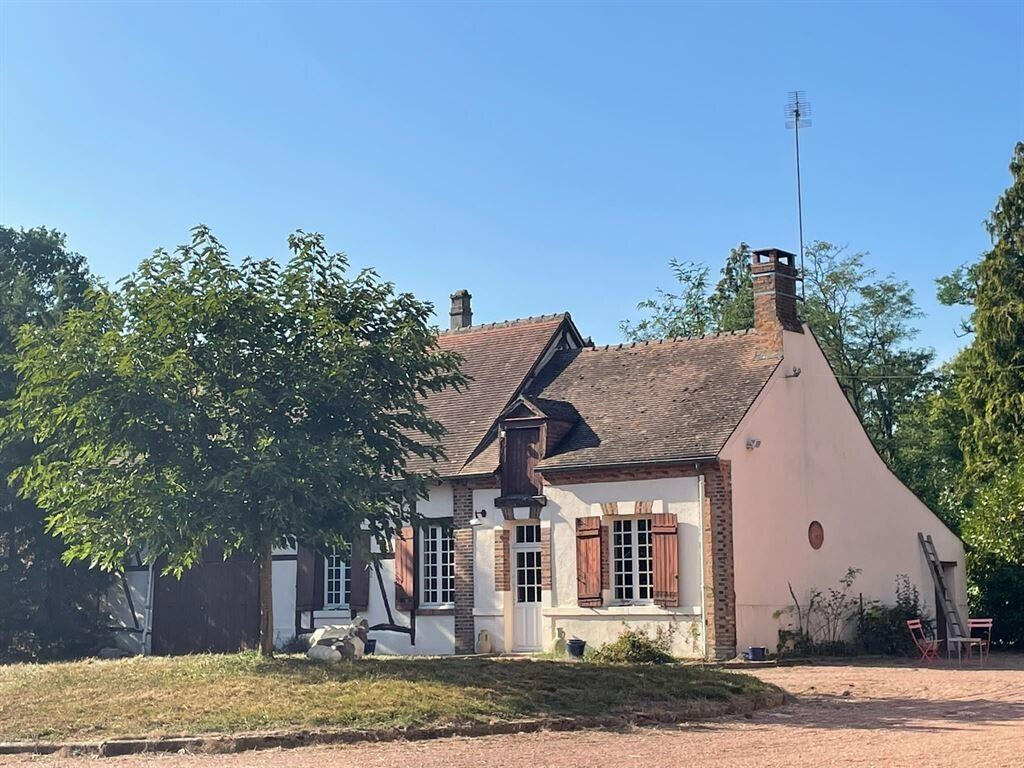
(774, 275)
(461, 313)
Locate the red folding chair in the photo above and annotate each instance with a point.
(928, 646)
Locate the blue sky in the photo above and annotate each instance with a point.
(546, 157)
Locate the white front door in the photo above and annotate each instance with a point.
(526, 622)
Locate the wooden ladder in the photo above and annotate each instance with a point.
(956, 628)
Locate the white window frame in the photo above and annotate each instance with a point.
(633, 560)
(332, 564)
(434, 574)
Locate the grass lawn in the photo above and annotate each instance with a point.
(137, 697)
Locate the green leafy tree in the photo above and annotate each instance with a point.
(732, 301)
(694, 310)
(989, 394)
(206, 403)
(866, 328)
(47, 609)
(674, 315)
(992, 393)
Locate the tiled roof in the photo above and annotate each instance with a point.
(498, 357)
(651, 402)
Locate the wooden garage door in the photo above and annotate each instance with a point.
(213, 607)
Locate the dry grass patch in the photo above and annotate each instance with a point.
(242, 692)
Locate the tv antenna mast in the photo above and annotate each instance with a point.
(798, 113)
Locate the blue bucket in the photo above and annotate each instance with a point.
(369, 646)
(757, 653)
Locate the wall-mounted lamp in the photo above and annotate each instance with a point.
(479, 519)
(794, 374)
(752, 443)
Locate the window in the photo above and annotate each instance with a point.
(437, 555)
(528, 534)
(337, 581)
(632, 559)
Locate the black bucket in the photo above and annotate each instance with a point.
(576, 647)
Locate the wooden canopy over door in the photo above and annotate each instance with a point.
(214, 607)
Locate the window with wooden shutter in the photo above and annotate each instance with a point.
(405, 568)
(304, 567)
(359, 585)
(588, 561)
(664, 531)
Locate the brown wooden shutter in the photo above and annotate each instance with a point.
(359, 589)
(405, 591)
(588, 561)
(318, 580)
(304, 567)
(665, 533)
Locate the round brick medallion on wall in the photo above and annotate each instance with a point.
(815, 534)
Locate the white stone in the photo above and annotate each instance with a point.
(483, 642)
(323, 653)
(329, 632)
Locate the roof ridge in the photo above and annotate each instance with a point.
(505, 323)
(669, 340)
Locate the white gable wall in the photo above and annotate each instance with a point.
(815, 462)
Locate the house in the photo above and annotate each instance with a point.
(685, 483)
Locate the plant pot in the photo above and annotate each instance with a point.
(575, 647)
(757, 653)
(369, 646)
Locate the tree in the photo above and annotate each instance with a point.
(865, 328)
(694, 311)
(206, 403)
(864, 325)
(674, 315)
(989, 394)
(48, 609)
(992, 394)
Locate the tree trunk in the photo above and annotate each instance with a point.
(267, 600)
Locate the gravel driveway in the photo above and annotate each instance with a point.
(854, 715)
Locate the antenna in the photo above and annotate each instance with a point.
(798, 112)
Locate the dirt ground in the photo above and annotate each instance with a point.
(853, 715)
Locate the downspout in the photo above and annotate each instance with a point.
(703, 555)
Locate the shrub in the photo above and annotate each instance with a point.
(883, 628)
(821, 625)
(636, 646)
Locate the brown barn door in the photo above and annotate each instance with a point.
(214, 607)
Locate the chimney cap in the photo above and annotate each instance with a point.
(462, 293)
(773, 255)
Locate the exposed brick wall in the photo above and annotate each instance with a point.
(616, 474)
(462, 513)
(774, 283)
(501, 560)
(719, 570)
(606, 557)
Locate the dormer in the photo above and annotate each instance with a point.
(528, 431)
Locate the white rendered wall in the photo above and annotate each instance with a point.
(815, 462)
(435, 635)
(681, 496)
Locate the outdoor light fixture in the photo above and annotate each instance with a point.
(752, 443)
(479, 519)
